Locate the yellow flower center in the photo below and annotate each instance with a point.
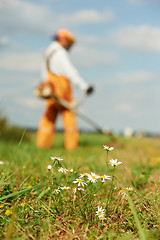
(79, 180)
(93, 177)
(121, 191)
(102, 176)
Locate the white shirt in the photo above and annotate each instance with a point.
(60, 64)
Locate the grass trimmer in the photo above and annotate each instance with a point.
(46, 92)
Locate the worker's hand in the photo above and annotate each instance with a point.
(90, 90)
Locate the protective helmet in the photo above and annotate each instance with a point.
(63, 33)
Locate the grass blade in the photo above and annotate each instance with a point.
(43, 193)
(19, 192)
(5, 173)
(135, 215)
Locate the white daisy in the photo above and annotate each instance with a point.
(49, 167)
(56, 190)
(100, 213)
(57, 159)
(105, 177)
(80, 182)
(76, 188)
(83, 175)
(102, 217)
(108, 148)
(93, 177)
(114, 162)
(65, 188)
(123, 193)
(63, 170)
(129, 189)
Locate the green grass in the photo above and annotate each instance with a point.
(35, 212)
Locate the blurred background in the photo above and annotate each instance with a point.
(117, 50)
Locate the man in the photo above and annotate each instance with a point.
(60, 73)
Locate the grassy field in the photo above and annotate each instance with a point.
(41, 202)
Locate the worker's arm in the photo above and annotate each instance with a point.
(60, 64)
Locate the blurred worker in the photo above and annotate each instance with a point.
(60, 73)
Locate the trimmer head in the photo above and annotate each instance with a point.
(43, 91)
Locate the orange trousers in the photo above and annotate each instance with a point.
(46, 129)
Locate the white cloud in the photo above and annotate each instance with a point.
(88, 16)
(21, 61)
(23, 17)
(91, 57)
(123, 107)
(137, 77)
(3, 41)
(8, 92)
(88, 39)
(138, 2)
(142, 38)
(129, 78)
(30, 102)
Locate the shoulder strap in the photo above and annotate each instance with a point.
(48, 58)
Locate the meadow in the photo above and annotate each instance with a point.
(93, 192)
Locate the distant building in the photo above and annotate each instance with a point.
(128, 132)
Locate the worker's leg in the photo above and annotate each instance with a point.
(46, 129)
(71, 133)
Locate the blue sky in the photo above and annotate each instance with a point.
(117, 50)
